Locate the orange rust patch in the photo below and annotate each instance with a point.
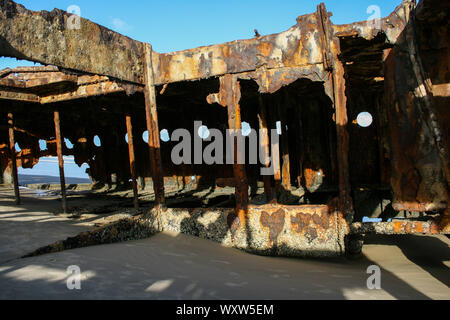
(265, 48)
(275, 222)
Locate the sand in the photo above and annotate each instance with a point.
(172, 266)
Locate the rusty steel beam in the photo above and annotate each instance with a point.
(286, 167)
(91, 48)
(14, 85)
(37, 80)
(59, 150)
(286, 49)
(332, 50)
(132, 161)
(300, 147)
(84, 91)
(277, 166)
(12, 152)
(117, 56)
(151, 113)
(399, 227)
(29, 69)
(391, 26)
(95, 49)
(231, 92)
(264, 144)
(14, 95)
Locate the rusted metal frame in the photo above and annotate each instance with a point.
(84, 91)
(153, 128)
(332, 47)
(264, 145)
(12, 152)
(21, 130)
(425, 92)
(35, 69)
(91, 48)
(55, 78)
(276, 160)
(59, 150)
(231, 92)
(18, 96)
(343, 138)
(7, 71)
(286, 167)
(300, 146)
(399, 227)
(322, 16)
(132, 161)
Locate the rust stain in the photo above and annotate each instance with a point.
(275, 223)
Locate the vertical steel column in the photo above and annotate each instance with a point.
(301, 145)
(264, 145)
(331, 49)
(59, 148)
(153, 128)
(286, 167)
(132, 161)
(12, 149)
(275, 149)
(231, 90)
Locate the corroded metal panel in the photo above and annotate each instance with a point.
(295, 47)
(45, 37)
(399, 227)
(310, 230)
(418, 168)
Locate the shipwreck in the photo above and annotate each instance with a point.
(314, 79)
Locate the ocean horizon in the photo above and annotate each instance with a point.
(25, 179)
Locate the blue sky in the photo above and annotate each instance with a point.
(182, 24)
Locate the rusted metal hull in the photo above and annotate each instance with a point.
(418, 168)
(302, 231)
(399, 228)
(315, 69)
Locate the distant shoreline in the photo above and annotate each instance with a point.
(37, 179)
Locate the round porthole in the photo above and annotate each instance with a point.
(68, 143)
(246, 129)
(165, 137)
(97, 141)
(364, 119)
(145, 136)
(203, 132)
(43, 145)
